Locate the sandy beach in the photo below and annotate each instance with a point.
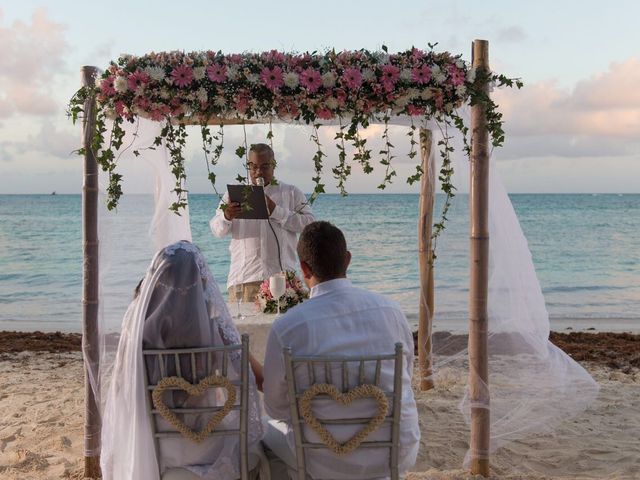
(41, 423)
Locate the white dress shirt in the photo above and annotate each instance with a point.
(254, 251)
(340, 319)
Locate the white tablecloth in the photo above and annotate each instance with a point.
(255, 323)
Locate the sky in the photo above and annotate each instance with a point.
(574, 127)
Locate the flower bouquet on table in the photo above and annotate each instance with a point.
(295, 293)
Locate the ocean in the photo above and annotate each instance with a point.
(586, 249)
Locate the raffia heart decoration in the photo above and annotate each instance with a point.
(361, 391)
(193, 390)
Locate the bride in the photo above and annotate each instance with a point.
(178, 305)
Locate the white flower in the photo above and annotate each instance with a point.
(471, 75)
(253, 78)
(382, 57)
(405, 75)
(413, 93)
(426, 94)
(328, 80)
(439, 77)
(120, 84)
(233, 72)
(435, 70)
(402, 101)
(156, 73)
(460, 63)
(164, 94)
(140, 90)
(220, 102)
(99, 82)
(461, 90)
(201, 95)
(368, 75)
(291, 79)
(199, 73)
(332, 103)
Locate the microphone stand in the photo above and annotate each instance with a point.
(260, 183)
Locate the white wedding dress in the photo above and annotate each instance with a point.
(178, 305)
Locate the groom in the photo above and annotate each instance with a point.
(338, 319)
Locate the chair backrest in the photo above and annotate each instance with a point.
(322, 370)
(193, 365)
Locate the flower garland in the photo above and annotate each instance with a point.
(346, 399)
(351, 88)
(169, 383)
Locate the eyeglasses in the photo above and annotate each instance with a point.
(263, 168)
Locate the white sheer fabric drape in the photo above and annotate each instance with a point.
(533, 384)
(143, 225)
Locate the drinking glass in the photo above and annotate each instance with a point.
(239, 291)
(277, 286)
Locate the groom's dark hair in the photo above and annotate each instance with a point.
(323, 248)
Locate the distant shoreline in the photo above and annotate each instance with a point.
(619, 351)
(363, 193)
(450, 325)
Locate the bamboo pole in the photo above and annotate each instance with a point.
(425, 254)
(90, 341)
(479, 276)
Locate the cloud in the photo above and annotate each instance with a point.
(49, 140)
(599, 116)
(512, 34)
(32, 55)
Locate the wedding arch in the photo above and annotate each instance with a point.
(350, 90)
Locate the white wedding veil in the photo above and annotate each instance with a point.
(177, 304)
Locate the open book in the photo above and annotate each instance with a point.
(251, 196)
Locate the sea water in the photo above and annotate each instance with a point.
(586, 250)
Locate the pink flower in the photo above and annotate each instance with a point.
(142, 103)
(122, 110)
(156, 115)
(235, 59)
(107, 85)
(390, 74)
(438, 97)
(272, 78)
(417, 54)
(217, 73)
(241, 101)
(182, 75)
(352, 78)
(274, 56)
(456, 75)
(137, 79)
(324, 114)
(421, 75)
(414, 110)
(311, 80)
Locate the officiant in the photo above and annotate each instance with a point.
(260, 248)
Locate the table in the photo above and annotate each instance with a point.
(256, 324)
